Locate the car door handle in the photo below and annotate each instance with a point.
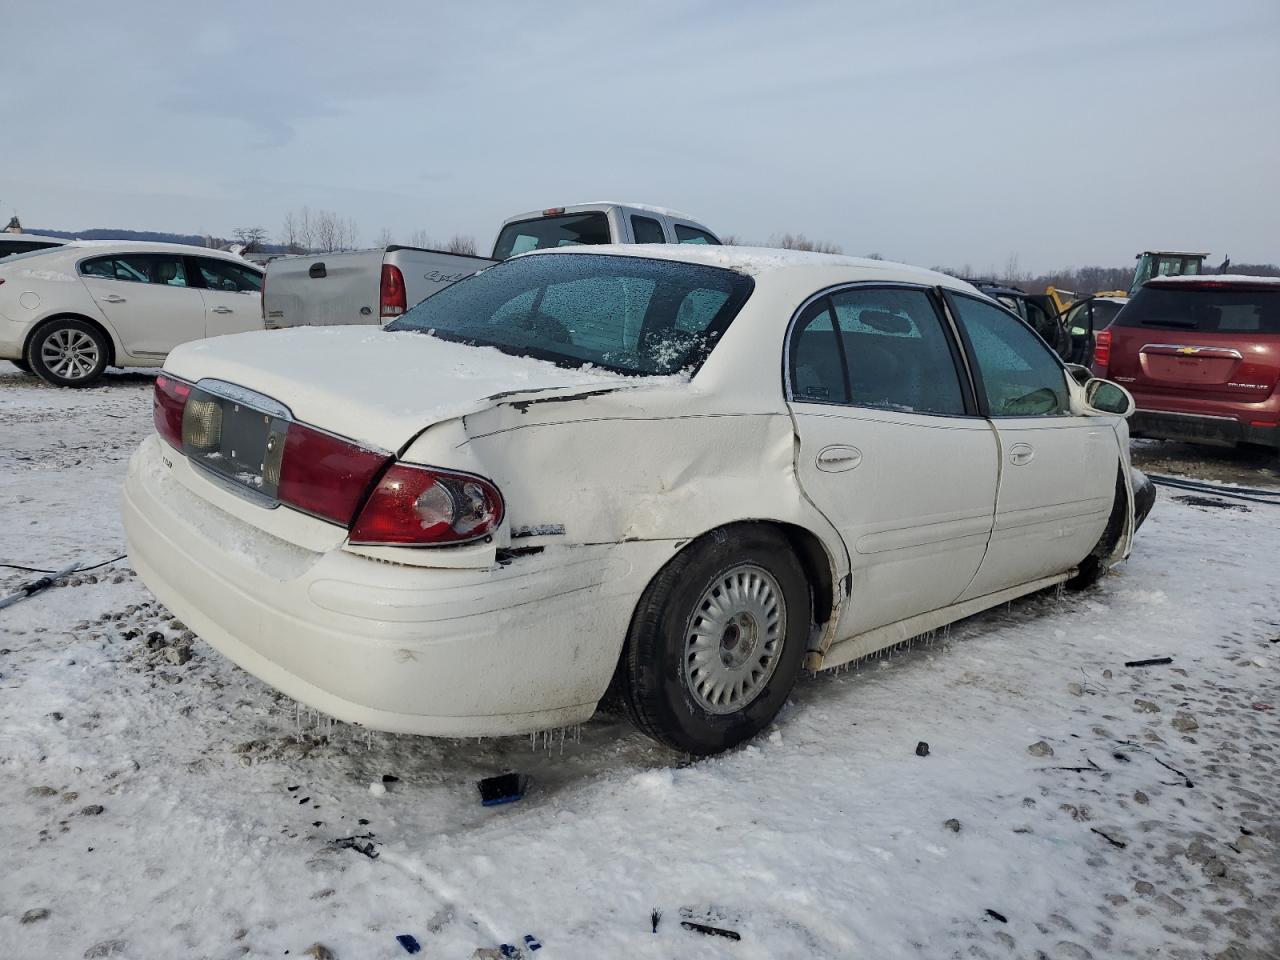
(835, 459)
(1020, 454)
(112, 298)
(223, 310)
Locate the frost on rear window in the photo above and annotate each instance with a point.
(627, 314)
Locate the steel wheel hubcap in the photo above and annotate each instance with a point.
(734, 638)
(71, 354)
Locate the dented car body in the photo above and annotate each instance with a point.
(796, 464)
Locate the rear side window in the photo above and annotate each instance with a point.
(544, 232)
(897, 353)
(693, 235)
(647, 230)
(231, 277)
(1204, 309)
(1019, 375)
(817, 365)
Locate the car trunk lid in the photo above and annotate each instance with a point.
(374, 387)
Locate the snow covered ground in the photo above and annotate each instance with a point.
(155, 806)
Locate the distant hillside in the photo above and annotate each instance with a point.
(150, 236)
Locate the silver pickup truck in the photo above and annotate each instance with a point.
(376, 286)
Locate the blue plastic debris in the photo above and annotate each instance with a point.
(409, 942)
(505, 788)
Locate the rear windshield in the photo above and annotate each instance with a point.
(627, 314)
(570, 230)
(1215, 310)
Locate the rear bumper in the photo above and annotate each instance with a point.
(1200, 428)
(406, 649)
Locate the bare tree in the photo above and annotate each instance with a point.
(798, 241)
(460, 244)
(384, 238)
(419, 238)
(251, 238)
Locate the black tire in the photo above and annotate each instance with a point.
(22, 365)
(655, 685)
(1094, 567)
(81, 345)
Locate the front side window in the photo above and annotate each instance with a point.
(627, 314)
(1019, 376)
(542, 233)
(686, 234)
(647, 230)
(158, 268)
(231, 277)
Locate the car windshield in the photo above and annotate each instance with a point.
(628, 314)
(542, 233)
(1217, 309)
(42, 251)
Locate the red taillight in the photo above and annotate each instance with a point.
(167, 404)
(423, 505)
(325, 475)
(393, 299)
(1102, 350)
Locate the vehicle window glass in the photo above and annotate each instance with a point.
(897, 353)
(221, 275)
(615, 312)
(564, 231)
(1020, 375)
(693, 235)
(817, 371)
(164, 269)
(13, 247)
(647, 230)
(98, 267)
(1204, 309)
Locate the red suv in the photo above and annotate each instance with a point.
(1201, 356)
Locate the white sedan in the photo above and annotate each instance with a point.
(688, 473)
(69, 312)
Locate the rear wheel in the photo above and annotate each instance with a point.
(717, 641)
(68, 353)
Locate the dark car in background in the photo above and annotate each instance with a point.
(1201, 356)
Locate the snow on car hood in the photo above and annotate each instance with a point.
(370, 385)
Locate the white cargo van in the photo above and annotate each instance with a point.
(376, 286)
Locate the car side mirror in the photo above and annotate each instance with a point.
(1080, 374)
(1107, 397)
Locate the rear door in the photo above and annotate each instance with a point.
(1057, 469)
(232, 295)
(891, 448)
(148, 298)
(1208, 340)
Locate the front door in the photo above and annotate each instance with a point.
(232, 296)
(891, 448)
(1057, 469)
(146, 297)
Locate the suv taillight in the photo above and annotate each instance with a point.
(414, 505)
(1101, 352)
(392, 299)
(167, 405)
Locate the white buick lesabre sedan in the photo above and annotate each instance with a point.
(685, 472)
(69, 312)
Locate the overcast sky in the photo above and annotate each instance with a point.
(935, 133)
